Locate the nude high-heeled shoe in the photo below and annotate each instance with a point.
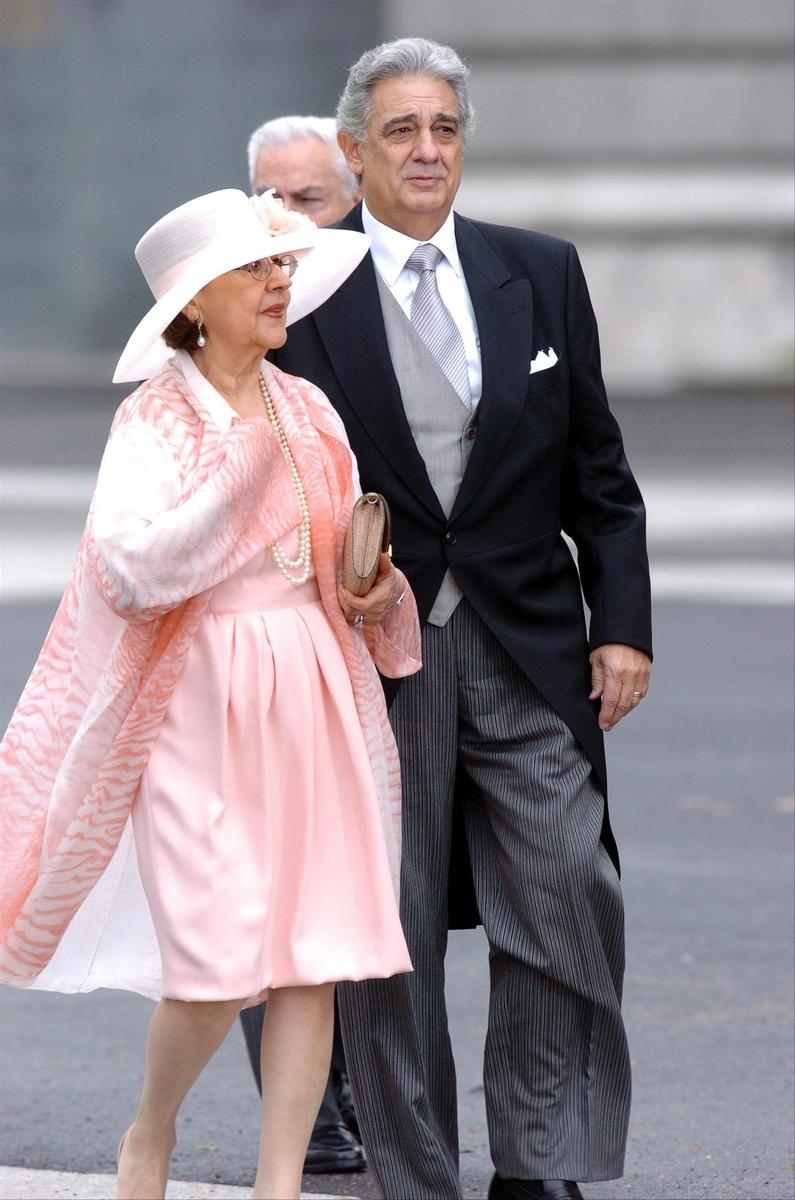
(118, 1161)
(121, 1146)
(118, 1157)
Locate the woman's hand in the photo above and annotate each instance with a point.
(389, 586)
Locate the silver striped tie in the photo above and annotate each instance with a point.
(434, 322)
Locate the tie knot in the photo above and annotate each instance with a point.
(425, 258)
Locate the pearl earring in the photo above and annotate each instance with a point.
(201, 340)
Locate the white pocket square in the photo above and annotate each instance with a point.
(543, 360)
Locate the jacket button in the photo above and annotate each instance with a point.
(450, 538)
(471, 432)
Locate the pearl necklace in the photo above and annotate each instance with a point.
(304, 559)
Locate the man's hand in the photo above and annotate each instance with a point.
(620, 676)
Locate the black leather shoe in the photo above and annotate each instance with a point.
(533, 1189)
(333, 1150)
(344, 1097)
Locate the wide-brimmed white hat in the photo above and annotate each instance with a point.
(202, 239)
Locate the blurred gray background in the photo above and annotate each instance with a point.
(656, 134)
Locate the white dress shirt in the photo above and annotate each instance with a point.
(391, 250)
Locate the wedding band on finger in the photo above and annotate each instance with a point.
(638, 695)
(358, 621)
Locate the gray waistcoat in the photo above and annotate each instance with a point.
(438, 421)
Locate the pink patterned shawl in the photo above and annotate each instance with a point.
(179, 506)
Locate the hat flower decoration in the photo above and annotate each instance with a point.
(278, 219)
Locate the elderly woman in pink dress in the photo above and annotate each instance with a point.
(200, 787)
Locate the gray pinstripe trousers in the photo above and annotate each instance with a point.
(556, 1067)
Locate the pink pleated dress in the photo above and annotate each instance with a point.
(257, 831)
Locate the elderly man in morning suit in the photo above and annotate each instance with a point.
(299, 158)
(463, 358)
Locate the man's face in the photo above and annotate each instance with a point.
(411, 161)
(305, 178)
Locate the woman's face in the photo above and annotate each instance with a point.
(242, 315)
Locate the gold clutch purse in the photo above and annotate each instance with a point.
(369, 536)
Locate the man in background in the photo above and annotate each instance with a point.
(300, 158)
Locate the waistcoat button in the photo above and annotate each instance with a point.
(450, 538)
(471, 432)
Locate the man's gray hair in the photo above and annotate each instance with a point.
(405, 58)
(281, 131)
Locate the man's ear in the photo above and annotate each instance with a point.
(351, 149)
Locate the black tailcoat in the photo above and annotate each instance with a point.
(547, 457)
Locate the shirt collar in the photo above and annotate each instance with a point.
(219, 410)
(390, 248)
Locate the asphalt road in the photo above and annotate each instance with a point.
(703, 809)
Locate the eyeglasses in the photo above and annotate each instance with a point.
(261, 268)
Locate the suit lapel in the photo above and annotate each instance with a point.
(504, 315)
(351, 328)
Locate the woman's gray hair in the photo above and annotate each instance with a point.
(281, 131)
(405, 58)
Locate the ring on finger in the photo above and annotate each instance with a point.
(358, 621)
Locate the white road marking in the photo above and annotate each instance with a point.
(35, 567)
(685, 510)
(727, 581)
(64, 487)
(20, 1183)
(35, 559)
(679, 508)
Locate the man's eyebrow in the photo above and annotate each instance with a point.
(410, 118)
(407, 119)
(309, 192)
